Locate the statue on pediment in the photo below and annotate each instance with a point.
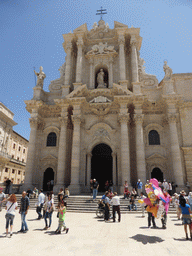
(40, 77)
(168, 71)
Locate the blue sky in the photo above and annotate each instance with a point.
(31, 36)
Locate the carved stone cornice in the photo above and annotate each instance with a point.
(138, 118)
(187, 150)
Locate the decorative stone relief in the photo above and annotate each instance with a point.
(101, 48)
(101, 133)
(100, 99)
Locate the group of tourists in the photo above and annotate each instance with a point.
(45, 203)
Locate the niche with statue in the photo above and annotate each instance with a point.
(101, 78)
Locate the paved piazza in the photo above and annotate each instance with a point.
(91, 236)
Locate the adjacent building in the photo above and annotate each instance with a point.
(13, 149)
(106, 118)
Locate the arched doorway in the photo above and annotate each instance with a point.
(48, 179)
(101, 164)
(157, 174)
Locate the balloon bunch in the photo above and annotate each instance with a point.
(156, 200)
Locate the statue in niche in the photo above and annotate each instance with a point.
(168, 71)
(40, 77)
(100, 79)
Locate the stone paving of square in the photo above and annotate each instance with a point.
(89, 235)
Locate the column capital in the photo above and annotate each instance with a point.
(121, 39)
(76, 120)
(69, 46)
(123, 118)
(172, 118)
(138, 118)
(33, 122)
(63, 121)
(80, 42)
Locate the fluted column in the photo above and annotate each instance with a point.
(125, 157)
(79, 60)
(61, 155)
(66, 87)
(75, 159)
(89, 155)
(31, 153)
(134, 61)
(114, 168)
(110, 73)
(121, 41)
(91, 81)
(140, 148)
(175, 150)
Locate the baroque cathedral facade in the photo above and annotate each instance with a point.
(106, 118)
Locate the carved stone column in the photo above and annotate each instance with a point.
(31, 154)
(79, 60)
(89, 155)
(114, 168)
(61, 154)
(134, 61)
(75, 159)
(121, 41)
(175, 150)
(125, 156)
(65, 88)
(91, 81)
(111, 73)
(140, 148)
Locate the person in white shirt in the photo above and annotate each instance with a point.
(41, 200)
(115, 201)
(165, 185)
(11, 206)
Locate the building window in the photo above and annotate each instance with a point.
(14, 146)
(22, 160)
(18, 181)
(24, 151)
(18, 158)
(13, 170)
(154, 138)
(19, 148)
(6, 169)
(19, 172)
(51, 139)
(12, 156)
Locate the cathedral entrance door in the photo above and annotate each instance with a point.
(48, 179)
(101, 165)
(157, 174)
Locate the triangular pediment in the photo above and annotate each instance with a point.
(82, 28)
(120, 90)
(80, 91)
(49, 157)
(119, 25)
(156, 155)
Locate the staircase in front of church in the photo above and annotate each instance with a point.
(85, 204)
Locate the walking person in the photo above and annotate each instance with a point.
(41, 200)
(95, 188)
(48, 211)
(11, 206)
(115, 201)
(139, 187)
(107, 207)
(2, 198)
(62, 211)
(151, 218)
(24, 206)
(185, 209)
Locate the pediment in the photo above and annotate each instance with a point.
(155, 156)
(82, 28)
(80, 91)
(120, 90)
(119, 25)
(48, 157)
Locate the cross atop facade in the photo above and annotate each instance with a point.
(101, 12)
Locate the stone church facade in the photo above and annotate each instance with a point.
(106, 118)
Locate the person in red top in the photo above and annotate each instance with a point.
(126, 190)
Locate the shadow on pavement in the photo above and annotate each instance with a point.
(39, 229)
(140, 217)
(144, 239)
(181, 239)
(178, 224)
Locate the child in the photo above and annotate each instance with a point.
(62, 211)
